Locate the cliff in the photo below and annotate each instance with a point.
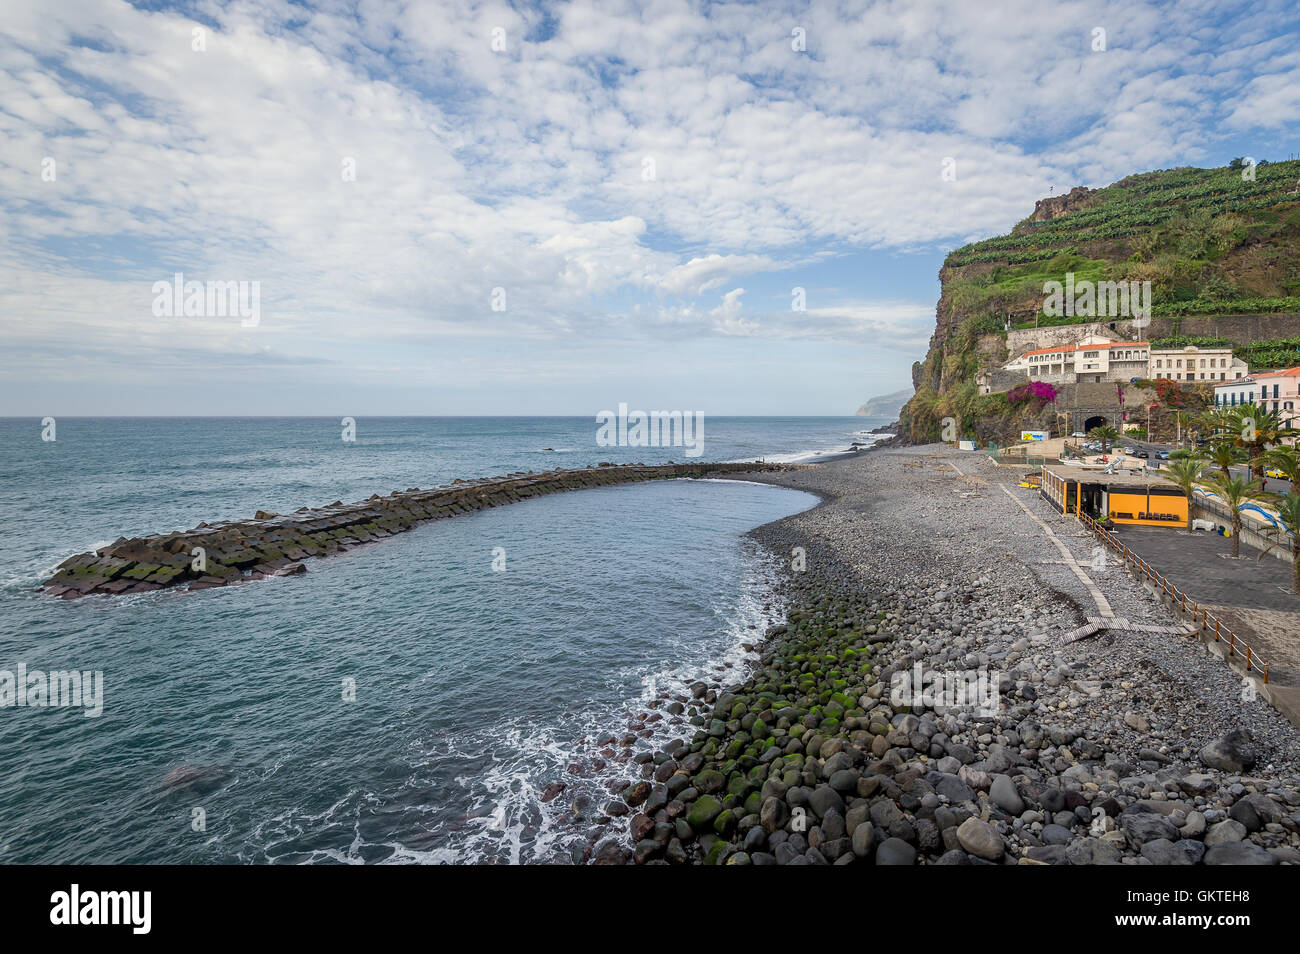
(885, 405)
(1221, 250)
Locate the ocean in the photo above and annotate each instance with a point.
(405, 702)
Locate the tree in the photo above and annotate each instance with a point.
(1236, 491)
(1288, 510)
(1255, 429)
(1185, 472)
(1287, 460)
(1219, 420)
(1104, 433)
(1223, 454)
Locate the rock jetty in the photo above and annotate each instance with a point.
(275, 545)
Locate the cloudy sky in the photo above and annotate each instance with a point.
(454, 207)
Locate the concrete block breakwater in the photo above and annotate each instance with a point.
(275, 545)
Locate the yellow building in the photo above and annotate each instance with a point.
(1123, 498)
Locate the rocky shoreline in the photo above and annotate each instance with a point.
(275, 545)
(1132, 747)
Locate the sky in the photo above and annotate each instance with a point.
(457, 207)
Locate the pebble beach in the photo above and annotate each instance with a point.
(1127, 747)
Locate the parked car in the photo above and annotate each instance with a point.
(1162, 455)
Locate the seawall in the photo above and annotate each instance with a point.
(275, 545)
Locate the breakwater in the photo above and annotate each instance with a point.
(273, 544)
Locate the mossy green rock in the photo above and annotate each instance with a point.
(710, 780)
(725, 823)
(702, 812)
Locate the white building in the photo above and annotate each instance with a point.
(1235, 393)
(1196, 364)
(1277, 391)
(1094, 358)
(1098, 358)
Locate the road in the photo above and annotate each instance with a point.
(1154, 463)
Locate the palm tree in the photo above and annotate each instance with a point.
(1255, 429)
(1287, 460)
(1104, 433)
(1288, 511)
(1218, 419)
(1223, 454)
(1185, 472)
(1235, 491)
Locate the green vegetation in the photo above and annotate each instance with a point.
(1235, 491)
(1104, 433)
(1185, 472)
(1210, 243)
(1190, 232)
(1286, 459)
(1288, 511)
(1185, 210)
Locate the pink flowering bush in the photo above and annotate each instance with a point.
(1040, 392)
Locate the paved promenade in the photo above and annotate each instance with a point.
(1251, 595)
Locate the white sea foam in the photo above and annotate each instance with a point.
(509, 822)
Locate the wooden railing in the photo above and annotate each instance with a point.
(1238, 648)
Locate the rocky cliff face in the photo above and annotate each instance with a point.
(1222, 255)
(1053, 207)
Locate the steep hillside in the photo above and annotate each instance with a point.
(1221, 250)
(885, 405)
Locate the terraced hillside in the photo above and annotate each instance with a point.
(1220, 247)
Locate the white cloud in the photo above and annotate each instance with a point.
(524, 169)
